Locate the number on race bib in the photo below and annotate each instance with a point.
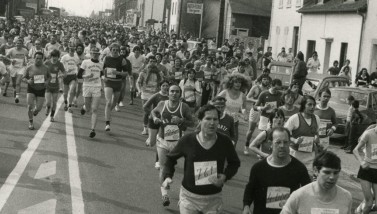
(203, 171)
(373, 155)
(306, 145)
(110, 72)
(39, 79)
(324, 211)
(178, 75)
(171, 132)
(277, 196)
(53, 78)
(273, 105)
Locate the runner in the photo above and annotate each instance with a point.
(304, 127)
(254, 116)
(137, 61)
(162, 95)
(235, 98)
(191, 90)
(81, 56)
(327, 118)
(124, 54)
(210, 161)
(261, 145)
(115, 68)
(323, 195)
(147, 84)
(174, 117)
(226, 122)
(70, 62)
(274, 178)
(289, 108)
(18, 56)
(91, 71)
(56, 70)
(37, 77)
(210, 72)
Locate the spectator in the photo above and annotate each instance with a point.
(334, 70)
(313, 63)
(362, 78)
(282, 56)
(300, 70)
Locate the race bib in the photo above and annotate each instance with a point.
(324, 211)
(178, 75)
(273, 105)
(323, 127)
(71, 67)
(110, 72)
(39, 79)
(204, 171)
(306, 145)
(373, 155)
(171, 132)
(207, 75)
(189, 94)
(276, 197)
(53, 78)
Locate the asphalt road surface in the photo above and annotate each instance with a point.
(57, 168)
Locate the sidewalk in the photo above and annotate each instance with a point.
(350, 166)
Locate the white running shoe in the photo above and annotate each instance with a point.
(157, 165)
(121, 104)
(107, 128)
(246, 151)
(117, 108)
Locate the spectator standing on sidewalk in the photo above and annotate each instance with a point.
(313, 63)
(300, 70)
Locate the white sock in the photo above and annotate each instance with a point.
(164, 191)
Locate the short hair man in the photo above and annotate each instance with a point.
(323, 195)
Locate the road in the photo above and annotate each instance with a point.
(57, 168)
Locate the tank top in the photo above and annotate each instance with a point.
(306, 130)
(233, 107)
(170, 131)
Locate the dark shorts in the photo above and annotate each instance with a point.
(190, 104)
(37, 93)
(69, 78)
(52, 90)
(152, 125)
(115, 85)
(368, 175)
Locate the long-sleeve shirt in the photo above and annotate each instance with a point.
(200, 163)
(300, 70)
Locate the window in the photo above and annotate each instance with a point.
(286, 30)
(298, 3)
(289, 3)
(277, 30)
(242, 31)
(280, 3)
(172, 9)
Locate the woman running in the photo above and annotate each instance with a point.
(191, 90)
(177, 72)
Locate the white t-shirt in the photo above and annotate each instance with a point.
(304, 200)
(70, 63)
(189, 89)
(94, 68)
(136, 63)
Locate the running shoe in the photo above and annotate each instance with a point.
(121, 104)
(144, 132)
(60, 90)
(147, 142)
(16, 100)
(70, 110)
(5, 94)
(83, 111)
(52, 119)
(107, 128)
(246, 151)
(117, 108)
(31, 126)
(35, 112)
(157, 165)
(92, 134)
(165, 200)
(65, 107)
(132, 102)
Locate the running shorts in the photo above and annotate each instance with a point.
(152, 125)
(368, 175)
(91, 91)
(205, 203)
(52, 90)
(14, 71)
(37, 93)
(115, 85)
(69, 78)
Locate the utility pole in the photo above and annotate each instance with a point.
(180, 19)
(220, 31)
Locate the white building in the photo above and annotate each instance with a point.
(152, 10)
(285, 25)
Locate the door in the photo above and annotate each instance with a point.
(343, 54)
(373, 61)
(310, 49)
(326, 61)
(295, 40)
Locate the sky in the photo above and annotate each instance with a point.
(81, 7)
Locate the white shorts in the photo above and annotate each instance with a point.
(91, 91)
(263, 123)
(168, 145)
(14, 71)
(254, 116)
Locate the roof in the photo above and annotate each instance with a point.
(251, 7)
(333, 6)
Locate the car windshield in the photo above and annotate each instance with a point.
(340, 96)
(281, 69)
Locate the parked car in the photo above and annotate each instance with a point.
(367, 98)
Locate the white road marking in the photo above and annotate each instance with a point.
(46, 170)
(46, 207)
(73, 166)
(13, 178)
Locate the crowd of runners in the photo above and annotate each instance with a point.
(193, 102)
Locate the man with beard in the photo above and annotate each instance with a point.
(323, 195)
(52, 45)
(81, 56)
(263, 189)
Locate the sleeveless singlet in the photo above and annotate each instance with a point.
(233, 107)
